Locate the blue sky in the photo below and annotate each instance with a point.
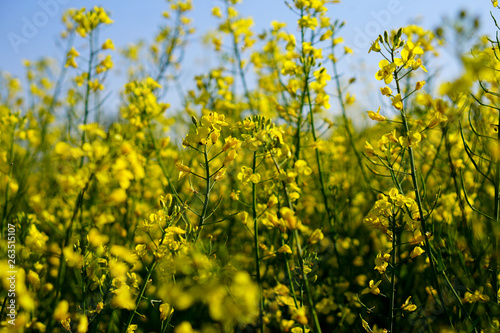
(38, 24)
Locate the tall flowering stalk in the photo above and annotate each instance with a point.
(398, 152)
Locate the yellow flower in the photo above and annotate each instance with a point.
(418, 64)
(381, 262)
(419, 85)
(184, 327)
(299, 315)
(99, 307)
(231, 143)
(132, 328)
(73, 52)
(73, 259)
(369, 149)
(365, 325)
(118, 195)
(408, 306)
(246, 175)
(289, 218)
(96, 238)
(437, 118)
(308, 22)
(338, 40)
(272, 201)
(477, 296)
(165, 310)
(230, 157)
(416, 252)
(386, 91)
(413, 138)
(397, 102)
(372, 288)
(350, 99)
(235, 195)
(302, 168)
(327, 35)
(376, 116)
(61, 311)
(183, 170)
(408, 54)
(375, 47)
(285, 249)
(243, 216)
(220, 174)
(217, 12)
(316, 236)
(70, 58)
(66, 324)
(104, 65)
(83, 324)
(386, 70)
(108, 45)
(123, 298)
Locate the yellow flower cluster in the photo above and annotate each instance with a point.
(88, 20)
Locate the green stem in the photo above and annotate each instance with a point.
(422, 216)
(300, 254)
(459, 300)
(207, 193)
(141, 293)
(87, 89)
(167, 323)
(330, 213)
(393, 276)
(289, 273)
(306, 282)
(150, 270)
(454, 176)
(256, 243)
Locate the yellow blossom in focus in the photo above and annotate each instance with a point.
(408, 306)
(386, 71)
(397, 102)
(375, 47)
(416, 252)
(372, 288)
(386, 91)
(381, 262)
(376, 115)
